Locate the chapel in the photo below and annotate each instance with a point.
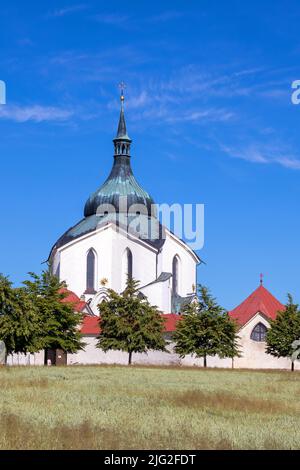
(120, 236)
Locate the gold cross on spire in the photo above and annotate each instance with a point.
(122, 87)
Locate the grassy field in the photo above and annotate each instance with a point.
(148, 408)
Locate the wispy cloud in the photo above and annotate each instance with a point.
(205, 115)
(67, 10)
(165, 107)
(264, 154)
(36, 113)
(250, 71)
(118, 19)
(113, 19)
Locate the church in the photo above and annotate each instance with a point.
(121, 236)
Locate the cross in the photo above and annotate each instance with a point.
(122, 87)
(261, 279)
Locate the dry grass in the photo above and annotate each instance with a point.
(222, 401)
(145, 408)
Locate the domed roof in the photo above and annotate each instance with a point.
(116, 196)
(121, 182)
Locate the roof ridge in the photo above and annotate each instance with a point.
(260, 300)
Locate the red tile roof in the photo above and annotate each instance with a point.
(261, 300)
(72, 298)
(171, 320)
(90, 325)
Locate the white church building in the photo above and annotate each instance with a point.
(119, 236)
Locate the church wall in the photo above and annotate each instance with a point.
(259, 360)
(73, 260)
(143, 261)
(212, 361)
(55, 264)
(93, 355)
(187, 264)
(159, 294)
(36, 359)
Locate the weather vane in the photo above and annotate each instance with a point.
(122, 87)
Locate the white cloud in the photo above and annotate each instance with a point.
(36, 113)
(208, 115)
(264, 154)
(67, 10)
(139, 101)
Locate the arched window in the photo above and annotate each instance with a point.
(126, 267)
(259, 332)
(175, 274)
(90, 272)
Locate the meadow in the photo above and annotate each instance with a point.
(115, 407)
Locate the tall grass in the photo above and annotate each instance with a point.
(113, 407)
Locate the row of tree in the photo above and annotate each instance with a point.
(129, 323)
(35, 317)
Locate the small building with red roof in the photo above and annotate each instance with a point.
(261, 301)
(253, 317)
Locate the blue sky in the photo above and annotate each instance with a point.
(208, 107)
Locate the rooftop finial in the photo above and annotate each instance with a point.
(261, 279)
(122, 87)
(122, 141)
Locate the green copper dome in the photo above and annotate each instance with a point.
(119, 194)
(121, 182)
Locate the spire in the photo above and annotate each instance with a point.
(122, 124)
(122, 140)
(122, 132)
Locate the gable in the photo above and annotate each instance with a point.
(260, 301)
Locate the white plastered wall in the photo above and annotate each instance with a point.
(187, 263)
(73, 260)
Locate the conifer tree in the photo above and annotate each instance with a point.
(19, 320)
(129, 323)
(284, 330)
(205, 329)
(59, 322)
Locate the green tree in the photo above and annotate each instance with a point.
(284, 330)
(59, 322)
(205, 329)
(129, 323)
(19, 320)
